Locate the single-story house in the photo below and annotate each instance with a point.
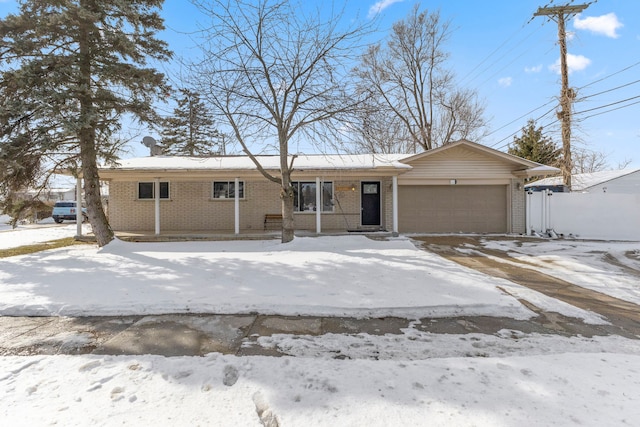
(623, 181)
(460, 187)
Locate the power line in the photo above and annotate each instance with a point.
(609, 105)
(470, 73)
(516, 119)
(608, 111)
(609, 90)
(610, 75)
(581, 99)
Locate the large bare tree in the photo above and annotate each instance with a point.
(409, 78)
(276, 74)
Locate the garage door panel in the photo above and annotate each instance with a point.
(447, 209)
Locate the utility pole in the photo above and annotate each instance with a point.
(567, 95)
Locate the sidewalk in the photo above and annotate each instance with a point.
(197, 335)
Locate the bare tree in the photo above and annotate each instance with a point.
(587, 161)
(409, 78)
(276, 75)
(379, 131)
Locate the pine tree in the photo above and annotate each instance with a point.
(190, 131)
(533, 145)
(72, 69)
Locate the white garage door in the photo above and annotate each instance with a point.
(452, 208)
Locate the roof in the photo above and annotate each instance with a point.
(583, 181)
(301, 162)
(382, 163)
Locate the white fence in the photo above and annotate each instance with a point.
(608, 216)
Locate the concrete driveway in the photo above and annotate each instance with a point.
(622, 314)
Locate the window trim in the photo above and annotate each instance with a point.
(153, 190)
(241, 184)
(297, 192)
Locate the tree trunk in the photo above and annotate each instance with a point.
(97, 217)
(88, 157)
(286, 195)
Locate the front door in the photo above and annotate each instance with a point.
(370, 199)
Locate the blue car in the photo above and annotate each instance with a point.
(67, 210)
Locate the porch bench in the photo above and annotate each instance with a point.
(272, 222)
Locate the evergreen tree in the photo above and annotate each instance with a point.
(533, 145)
(72, 69)
(190, 131)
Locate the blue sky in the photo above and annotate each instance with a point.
(509, 57)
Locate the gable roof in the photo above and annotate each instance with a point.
(528, 168)
(584, 181)
(381, 163)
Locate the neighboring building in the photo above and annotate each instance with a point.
(460, 187)
(51, 194)
(623, 181)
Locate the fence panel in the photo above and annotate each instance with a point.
(608, 216)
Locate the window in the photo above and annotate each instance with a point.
(227, 189)
(146, 190)
(305, 196)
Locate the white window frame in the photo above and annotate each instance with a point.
(153, 190)
(297, 203)
(227, 195)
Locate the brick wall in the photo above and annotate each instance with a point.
(518, 207)
(191, 208)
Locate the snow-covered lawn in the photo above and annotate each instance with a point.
(29, 234)
(328, 276)
(512, 379)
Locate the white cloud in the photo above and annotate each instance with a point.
(381, 5)
(505, 81)
(604, 24)
(574, 63)
(534, 69)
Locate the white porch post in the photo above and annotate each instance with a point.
(527, 222)
(78, 206)
(237, 206)
(156, 185)
(395, 205)
(318, 206)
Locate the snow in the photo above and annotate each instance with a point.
(303, 162)
(328, 276)
(583, 181)
(31, 234)
(586, 263)
(414, 378)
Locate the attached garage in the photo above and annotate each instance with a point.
(464, 187)
(453, 209)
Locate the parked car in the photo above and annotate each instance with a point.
(66, 209)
